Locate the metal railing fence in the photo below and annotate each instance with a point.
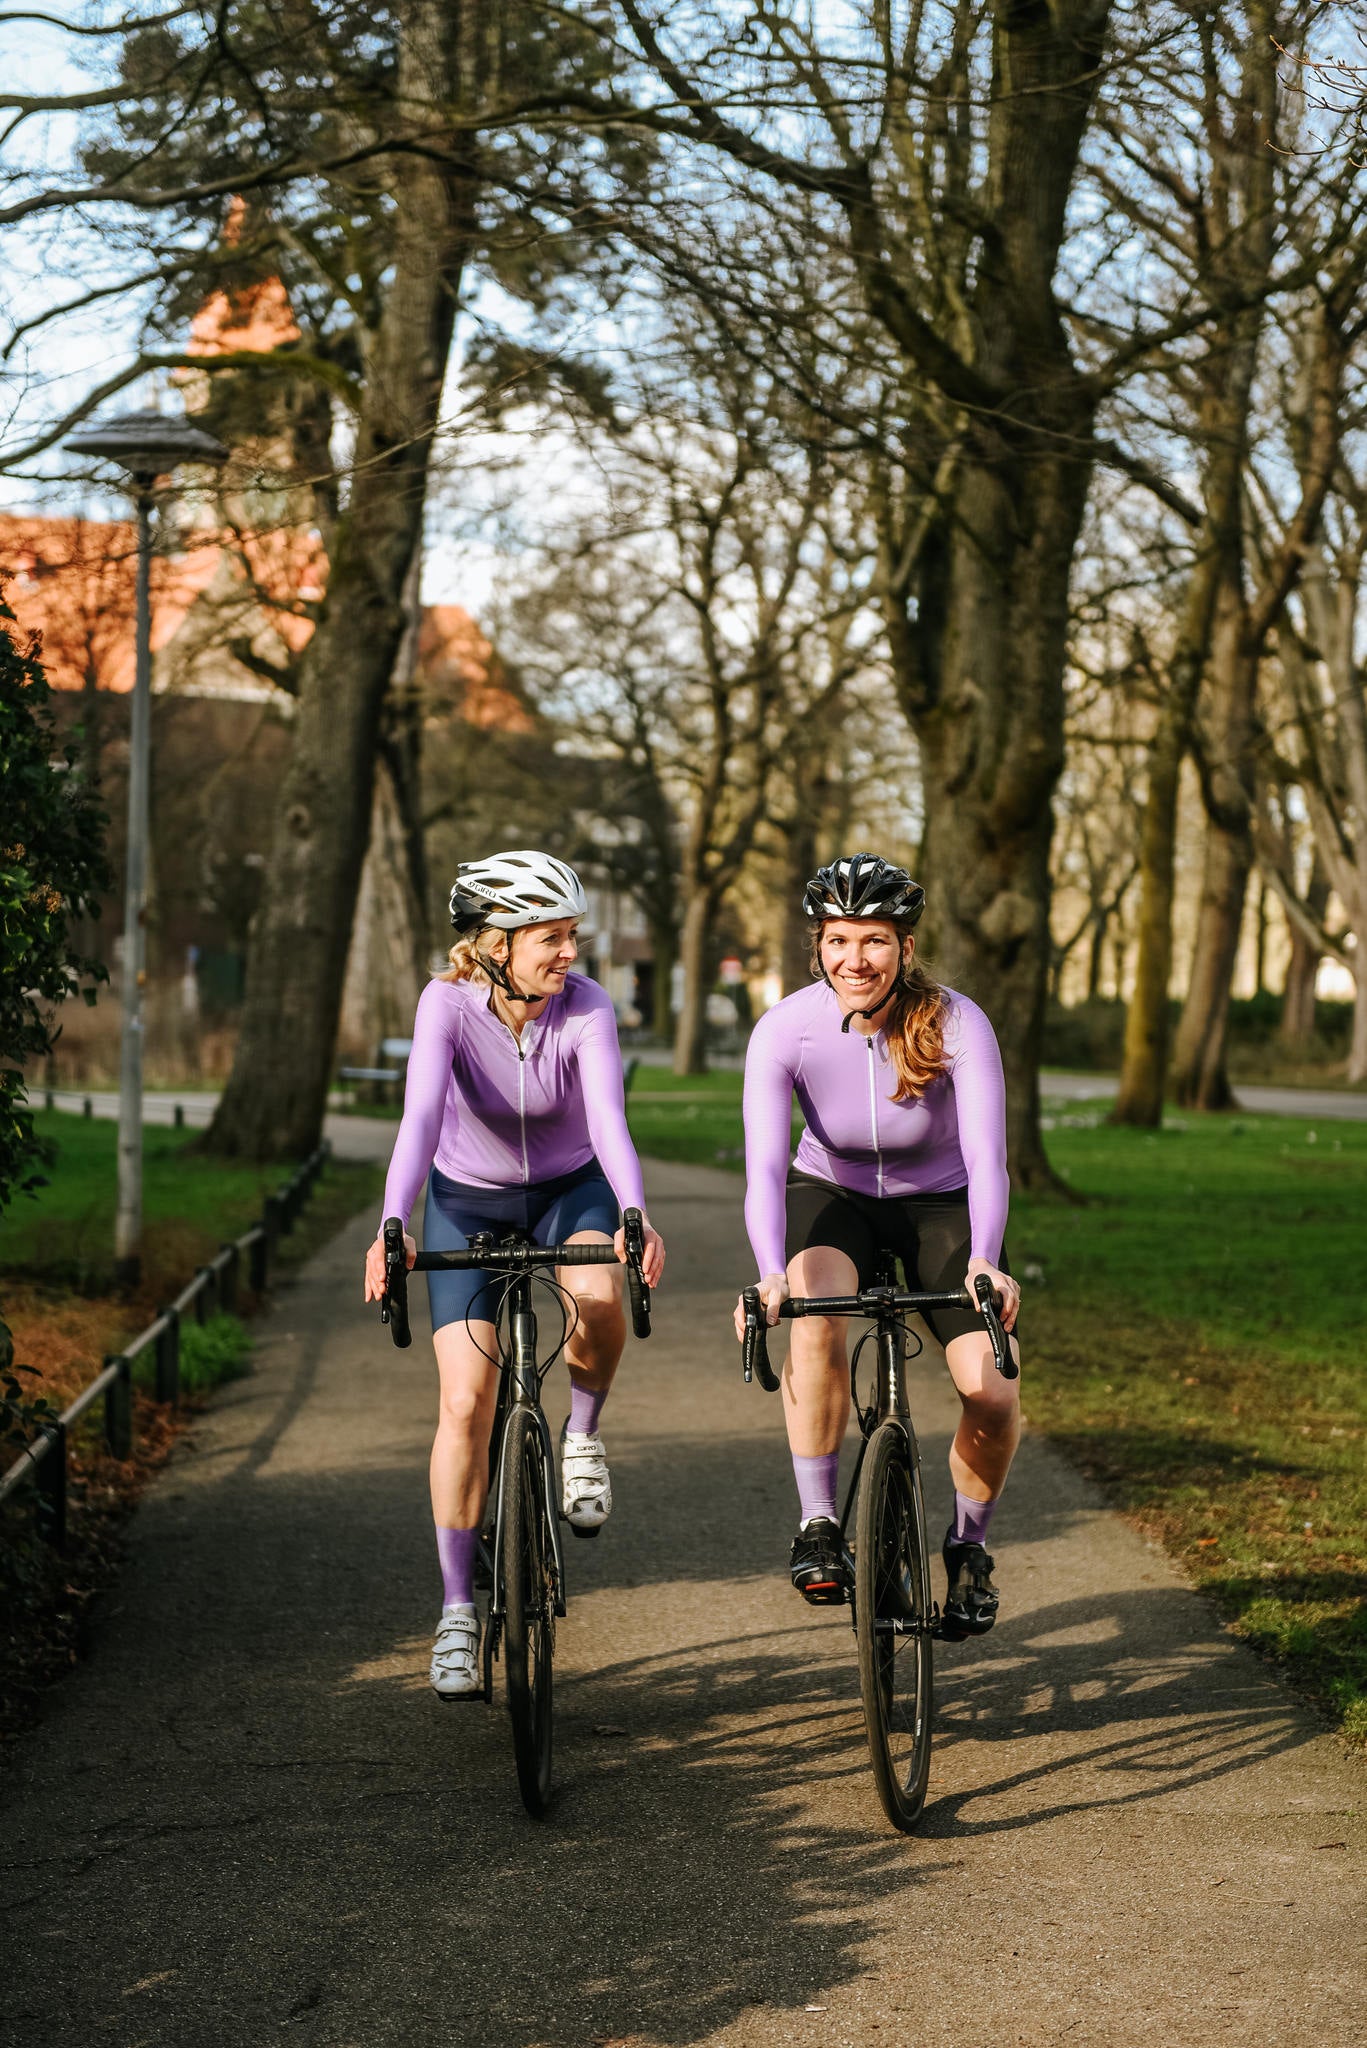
(214, 1290)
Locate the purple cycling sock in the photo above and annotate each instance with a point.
(456, 1555)
(816, 1485)
(971, 1518)
(586, 1405)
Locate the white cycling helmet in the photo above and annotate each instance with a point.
(511, 890)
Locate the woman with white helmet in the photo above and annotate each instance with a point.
(900, 1083)
(514, 1115)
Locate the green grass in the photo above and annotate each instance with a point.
(695, 1118)
(63, 1237)
(1194, 1340)
(210, 1354)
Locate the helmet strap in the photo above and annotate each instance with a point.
(867, 1016)
(498, 974)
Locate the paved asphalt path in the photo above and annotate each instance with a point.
(246, 1819)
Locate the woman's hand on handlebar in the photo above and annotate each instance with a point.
(1002, 1284)
(374, 1264)
(773, 1292)
(653, 1256)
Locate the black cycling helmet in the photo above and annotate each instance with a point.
(863, 885)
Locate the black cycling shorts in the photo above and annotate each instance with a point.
(930, 1234)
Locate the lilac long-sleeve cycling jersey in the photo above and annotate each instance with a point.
(493, 1111)
(856, 1135)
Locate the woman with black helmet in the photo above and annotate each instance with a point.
(900, 1083)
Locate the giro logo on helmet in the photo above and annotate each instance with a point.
(513, 890)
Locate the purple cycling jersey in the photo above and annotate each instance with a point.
(494, 1112)
(856, 1135)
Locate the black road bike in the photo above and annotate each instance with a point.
(895, 1619)
(521, 1556)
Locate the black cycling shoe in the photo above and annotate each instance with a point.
(971, 1599)
(822, 1568)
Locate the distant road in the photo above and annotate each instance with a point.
(364, 1137)
(1329, 1103)
(353, 1137)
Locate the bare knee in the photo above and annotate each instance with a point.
(818, 1342)
(993, 1410)
(462, 1412)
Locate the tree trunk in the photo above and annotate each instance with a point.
(800, 863)
(664, 951)
(1145, 1063)
(1297, 1025)
(1357, 1052)
(272, 1107)
(991, 735)
(1199, 1077)
(401, 751)
(1260, 940)
(1095, 951)
(695, 940)
(387, 960)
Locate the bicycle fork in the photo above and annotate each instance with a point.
(526, 1392)
(892, 1407)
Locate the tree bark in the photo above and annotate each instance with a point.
(801, 839)
(272, 1107)
(1199, 1077)
(1297, 1025)
(1139, 1099)
(991, 737)
(664, 951)
(690, 1033)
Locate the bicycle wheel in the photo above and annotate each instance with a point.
(529, 1604)
(892, 1623)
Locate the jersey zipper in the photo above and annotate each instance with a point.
(522, 1107)
(873, 1112)
(521, 1097)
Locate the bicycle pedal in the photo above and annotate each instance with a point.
(825, 1593)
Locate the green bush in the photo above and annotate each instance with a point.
(1090, 1036)
(210, 1354)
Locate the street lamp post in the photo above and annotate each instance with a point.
(145, 445)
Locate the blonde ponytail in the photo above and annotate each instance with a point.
(467, 956)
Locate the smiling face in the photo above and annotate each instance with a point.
(861, 956)
(541, 955)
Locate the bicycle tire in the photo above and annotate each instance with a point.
(892, 1585)
(529, 1608)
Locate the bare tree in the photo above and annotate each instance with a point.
(1316, 753)
(704, 631)
(378, 155)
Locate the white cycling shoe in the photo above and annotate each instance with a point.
(585, 1488)
(455, 1655)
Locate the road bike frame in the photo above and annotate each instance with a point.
(519, 1407)
(890, 1597)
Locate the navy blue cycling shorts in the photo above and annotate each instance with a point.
(550, 1211)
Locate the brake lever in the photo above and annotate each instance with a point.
(755, 1343)
(394, 1300)
(991, 1304)
(634, 1237)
